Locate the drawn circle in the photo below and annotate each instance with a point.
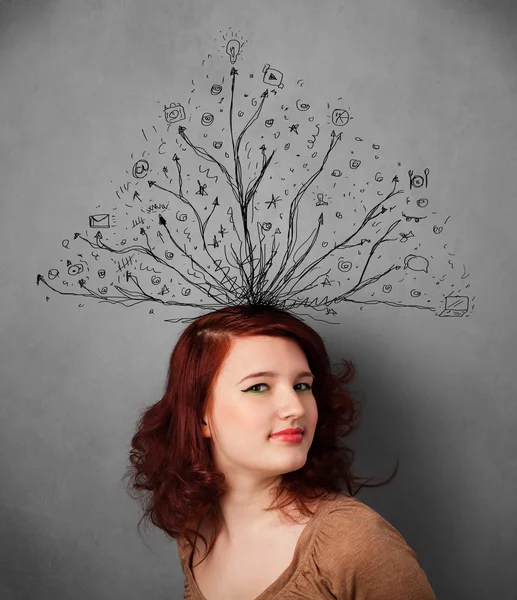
(387, 288)
(185, 291)
(340, 117)
(207, 119)
(422, 202)
(269, 122)
(65, 243)
(241, 113)
(415, 293)
(75, 269)
(375, 146)
(155, 280)
(104, 290)
(53, 273)
(217, 145)
(287, 146)
(354, 163)
(339, 215)
(101, 273)
(140, 168)
(266, 226)
(344, 265)
(303, 106)
(324, 244)
(336, 173)
(181, 217)
(169, 255)
(437, 229)
(311, 119)
(417, 181)
(123, 242)
(359, 139)
(216, 89)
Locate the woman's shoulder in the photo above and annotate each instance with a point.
(355, 546)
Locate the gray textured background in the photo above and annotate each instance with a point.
(434, 80)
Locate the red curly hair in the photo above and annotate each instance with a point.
(172, 471)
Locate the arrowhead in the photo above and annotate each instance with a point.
(151, 183)
(265, 94)
(68, 263)
(175, 157)
(263, 147)
(216, 201)
(128, 275)
(395, 179)
(338, 137)
(39, 278)
(98, 236)
(181, 129)
(161, 220)
(234, 71)
(82, 282)
(320, 220)
(142, 231)
(76, 235)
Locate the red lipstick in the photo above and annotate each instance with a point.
(288, 435)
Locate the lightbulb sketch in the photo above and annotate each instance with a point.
(242, 196)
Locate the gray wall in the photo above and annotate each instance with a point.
(434, 84)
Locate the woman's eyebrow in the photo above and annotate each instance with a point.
(273, 374)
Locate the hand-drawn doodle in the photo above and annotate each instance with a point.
(272, 76)
(340, 117)
(243, 257)
(417, 181)
(174, 113)
(101, 221)
(233, 48)
(140, 168)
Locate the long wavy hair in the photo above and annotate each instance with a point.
(172, 471)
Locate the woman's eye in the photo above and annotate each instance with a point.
(251, 389)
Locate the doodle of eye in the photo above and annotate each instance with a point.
(216, 89)
(303, 106)
(155, 280)
(218, 145)
(174, 113)
(387, 288)
(344, 265)
(207, 119)
(422, 202)
(340, 117)
(140, 169)
(104, 290)
(53, 273)
(75, 269)
(266, 226)
(336, 173)
(339, 215)
(101, 273)
(185, 291)
(415, 293)
(169, 255)
(437, 229)
(354, 163)
(269, 122)
(287, 146)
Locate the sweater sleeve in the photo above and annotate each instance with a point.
(366, 558)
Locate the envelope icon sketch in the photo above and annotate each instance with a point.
(100, 221)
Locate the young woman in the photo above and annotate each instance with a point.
(211, 465)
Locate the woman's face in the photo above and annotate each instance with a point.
(247, 410)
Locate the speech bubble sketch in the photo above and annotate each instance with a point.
(244, 197)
